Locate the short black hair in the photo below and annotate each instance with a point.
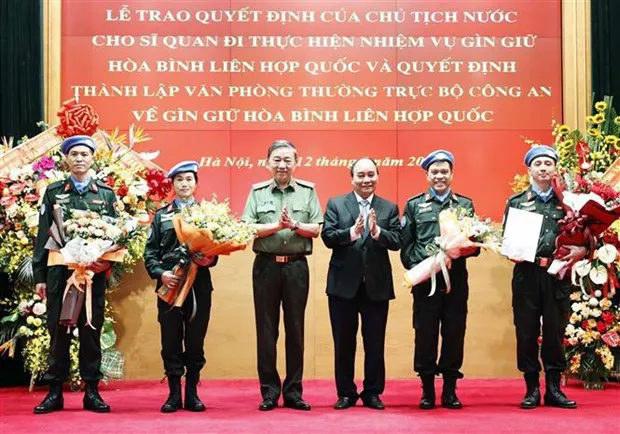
(441, 161)
(281, 144)
(352, 168)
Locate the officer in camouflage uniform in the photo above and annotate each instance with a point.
(448, 311)
(184, 326)
(81, 192)
(536, 293)
(287, 215)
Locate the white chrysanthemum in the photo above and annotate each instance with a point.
(32, 219)
(12, 211)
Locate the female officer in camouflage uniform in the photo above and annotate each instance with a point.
(184, 326)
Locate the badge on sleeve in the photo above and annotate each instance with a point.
(149, 232)
(42, 209)
(403, 221)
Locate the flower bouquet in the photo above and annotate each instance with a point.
(461, 230)
(204, 229)
(85, 238)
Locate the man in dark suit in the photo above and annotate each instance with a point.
(360, 227)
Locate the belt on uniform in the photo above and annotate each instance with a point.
(542, 262)
(282, 259)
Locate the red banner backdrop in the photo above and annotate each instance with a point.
(388, 79)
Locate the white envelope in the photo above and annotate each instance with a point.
(521, 234)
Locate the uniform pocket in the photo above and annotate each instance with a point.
(266, 213)
(300, 212)
(426, 217)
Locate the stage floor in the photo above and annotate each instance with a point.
(489, 406)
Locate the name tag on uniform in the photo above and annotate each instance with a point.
(98, 201)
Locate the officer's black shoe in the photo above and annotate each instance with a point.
(374, 402)
(92, 400)
(192, 401)
(448, 394)
(53, 401)
(345, 402)
(532, 395)
(427, 402)
(554, 397)
(268, 404)
(174, 401)
(297, 404)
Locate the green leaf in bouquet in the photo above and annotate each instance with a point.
(575, 136)
(25, 274)
(108, 336)
(10, 318)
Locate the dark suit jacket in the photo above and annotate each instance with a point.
(365, 258)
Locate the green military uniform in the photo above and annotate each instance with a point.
(420, 228)
(177, 325)
(280, 277)
(100, 198)
(536, 293)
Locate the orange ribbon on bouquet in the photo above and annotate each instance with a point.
(82, 276)
(82, 279)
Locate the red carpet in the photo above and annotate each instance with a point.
(490, 406)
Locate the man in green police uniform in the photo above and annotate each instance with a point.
(287, 215)
(420, 228)
(82, 192)
(536, 293)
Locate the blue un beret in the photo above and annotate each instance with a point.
(74, 141)
(540, 151)
(182, 167)
(435, 156)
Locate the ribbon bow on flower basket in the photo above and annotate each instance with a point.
(586, 218)
(205, 229)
